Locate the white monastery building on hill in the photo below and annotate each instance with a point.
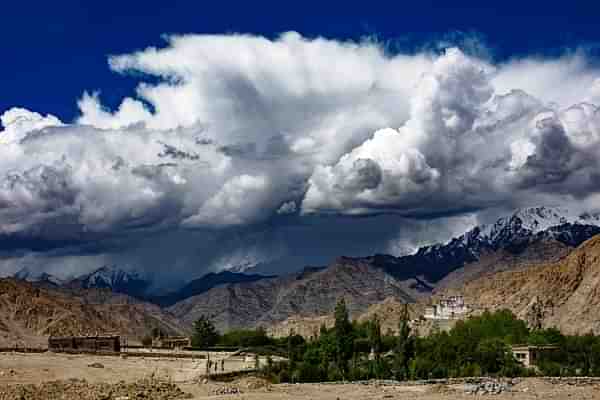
(451, 307)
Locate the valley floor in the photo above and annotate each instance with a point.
(51, 376)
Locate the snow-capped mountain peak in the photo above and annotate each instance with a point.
(30, 275)
(512, 235)
(517, 229)
(110, 277)
(242, 267)
(531, 221)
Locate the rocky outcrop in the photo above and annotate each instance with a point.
(204, 284)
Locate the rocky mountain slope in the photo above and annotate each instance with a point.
(204, 284)
(563, 294)
(311, 292)
(29, 313)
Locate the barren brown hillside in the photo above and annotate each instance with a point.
(311, 293)
(564, 294)
(28, 314)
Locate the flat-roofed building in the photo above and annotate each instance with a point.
(85, 344)
(173, 342)
(529, 356)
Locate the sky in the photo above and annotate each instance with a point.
(178, 138)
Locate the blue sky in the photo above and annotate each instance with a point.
(54, 50)
(179, 137)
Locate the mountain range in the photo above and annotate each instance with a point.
(515, 244)
(313, 291)
(529, 235)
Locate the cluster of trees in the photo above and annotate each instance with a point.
(206, 335)
(356, 351)
(348, 351)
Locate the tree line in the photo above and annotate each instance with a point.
(349, 350)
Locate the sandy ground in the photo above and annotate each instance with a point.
(18, 369)
(42, 367)
(527, 390)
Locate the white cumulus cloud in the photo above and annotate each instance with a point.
(235, 130)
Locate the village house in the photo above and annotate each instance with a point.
(85, 344)
(528, 356)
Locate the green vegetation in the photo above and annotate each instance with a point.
(358, 351)
(205, 334)
(147, 341)
(253, 340)
(245, 338)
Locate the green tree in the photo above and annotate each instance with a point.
(376, 344)
(405, 349)
(374, 335)
(205, 333)
(491, 355)
(343, 337)
(147, 341)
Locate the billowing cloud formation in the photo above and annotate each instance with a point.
(241, 132)
(465, 146)
(237, 125)
(380, 173)
(18, 122)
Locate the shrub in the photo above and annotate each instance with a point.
(147, 341)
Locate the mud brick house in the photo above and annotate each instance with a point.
(173, 342)
(85, 344)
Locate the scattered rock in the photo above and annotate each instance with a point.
(96, 365)
(79, 389)
(227, 390)
(489, 387)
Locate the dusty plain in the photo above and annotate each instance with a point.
(48, 376)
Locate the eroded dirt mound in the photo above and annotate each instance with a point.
(82, 390)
